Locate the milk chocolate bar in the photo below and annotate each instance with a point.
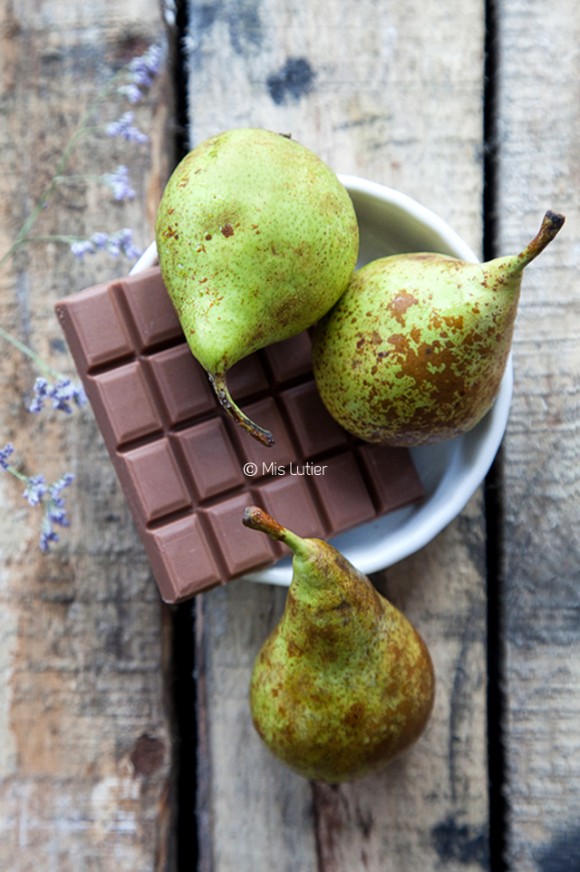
(188, 470)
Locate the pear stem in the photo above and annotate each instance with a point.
(551, 226)
(258, 519)
(218, 382)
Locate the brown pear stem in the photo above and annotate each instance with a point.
(220, 387)
(258, 519)
(551, 226)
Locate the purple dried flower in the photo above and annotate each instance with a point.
(99, 241)
(81, 247)
(59, 485)
(40, 393)
(120, 242)
(49, 496)
(63, 394)
(118, 181)
(142, 72)
(36, 490)
(47, 535)
(125, 128)
(38, 493)
(145, 68)
(5, 454)
(132, 92)
(54, 511)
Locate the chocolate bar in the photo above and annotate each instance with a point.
(188, 470)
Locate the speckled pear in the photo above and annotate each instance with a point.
(415, 350)
(344, 683)
(257, 239)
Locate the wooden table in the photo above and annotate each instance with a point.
(125, 739)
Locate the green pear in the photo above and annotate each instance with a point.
(256, 239)
(415, 350)
(344, 683)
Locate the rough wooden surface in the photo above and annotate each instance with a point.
(538, 166)
(85, 744)
(87, 719)
(373, 89)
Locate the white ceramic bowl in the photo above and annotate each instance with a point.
(391, 222)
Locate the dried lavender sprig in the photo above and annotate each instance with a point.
(124, 128)
(119, 183)
(153, 64)
(145, 68)
(142, 71)
(54, 511)
(120, 242)
(62, 392)
(37, 492)
(62, 395)
(5, 453)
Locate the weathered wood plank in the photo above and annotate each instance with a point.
(374, 89)
(85, 744)
(539, 156)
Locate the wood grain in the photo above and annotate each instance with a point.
(393, 93)
(375, 91)
(85, 743)
(539, 160)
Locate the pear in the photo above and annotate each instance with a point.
(415, 350)
(344, 683)
(256, 239)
